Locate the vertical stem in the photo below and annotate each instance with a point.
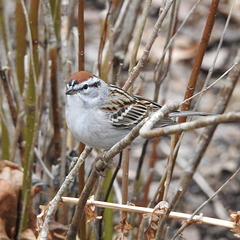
(55, 102)
(81, 52)
(160, 72)
(81, 184)
(104, 33)
(108, 213)
(138, 35)
(30, 118)
(53, 54)
(81, 178)
(55, 9)
(21, 45)
(21, 30)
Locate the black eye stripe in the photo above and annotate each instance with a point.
(76, 85)
(86, 86)
(96, 84)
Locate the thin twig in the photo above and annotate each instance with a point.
(202, 205)
(139, 32)
(211, 85)
(103, 39)
(136, 70)
(161, 71)
(190, 13)
(217, 53)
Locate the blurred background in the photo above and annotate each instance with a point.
(40, 47)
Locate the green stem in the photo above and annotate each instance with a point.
(30, 125)
(20, 44)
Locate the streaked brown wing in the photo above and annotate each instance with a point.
(126, 111)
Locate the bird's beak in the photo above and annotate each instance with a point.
(70, 90)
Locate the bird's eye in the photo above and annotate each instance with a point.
(85, 86)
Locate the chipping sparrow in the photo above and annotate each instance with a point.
(100, 114)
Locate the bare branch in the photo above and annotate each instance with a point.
(136, 70)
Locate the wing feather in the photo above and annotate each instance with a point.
(126, 111)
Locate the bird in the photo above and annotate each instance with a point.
(99, 114)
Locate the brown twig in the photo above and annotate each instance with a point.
(81, 63)
(81, 51)
(200, 54)
(103, 39)
(206, 136)
(211, 70)
(55, 104)
(53, 53)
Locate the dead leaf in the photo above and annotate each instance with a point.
(235, 217)
(28, 234)
(158, 212)
(124, 228)
(89, 211)
(10, 184)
